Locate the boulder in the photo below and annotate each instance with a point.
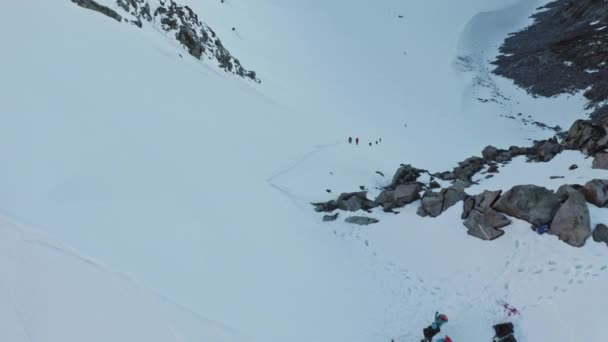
(544, 150)
(600, 233)
(406, 174)
(489, 153)
(404, 194)
(531, 203)
(571, 222)
(354, 201)
(585, 136)
(596, 192)
(434, 203)
(493, 169)
(600, 161)
(325, 207)
(483, 223)
(361, 220)
(329, 218)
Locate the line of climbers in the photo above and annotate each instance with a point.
(350, 141)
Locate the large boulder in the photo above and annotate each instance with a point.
(600, 161)
(531, 203)
(361, 220)
(406, 174)
(404, 194)
(484, 223)
(585, 136)
(600, 233)
(435, 203)
(596, 192)
(571, 222)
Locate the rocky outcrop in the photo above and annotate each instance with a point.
(464, 171)
(600, 234)
(600, 161)
(571, 222)
(361, 220)
(544, 150)
(563, 51)
(179, 22)
(586, 136)
(406, 174)
(484, 200)
(94, 6)
(531, 203)
(404, 194)
(351, 201)
(596, 192)
(435, 203)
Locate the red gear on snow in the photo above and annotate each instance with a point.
(443, 318)
(448, 339)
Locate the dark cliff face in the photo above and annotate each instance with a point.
(564, 51)
(178, 21)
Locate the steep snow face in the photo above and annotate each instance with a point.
(49, 293)
(200, 184)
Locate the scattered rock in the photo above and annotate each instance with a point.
(464, 171)
(434, 185)
(380, 173)
(600, 233)
(600, 161)
(573, 167)
(329, 218)
(544, 150)
(571, 222)
(434, 203)
(361, 220)
(328, 191)
(492, 154)
(531, 203)
(354, 201)
(556, 177)
(493, 168)
(596, 192)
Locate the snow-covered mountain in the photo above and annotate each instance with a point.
(130, 131)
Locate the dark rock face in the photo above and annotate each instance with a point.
(484, 200)
(351, 201)
(94, 6)
(180, 22)
(361, 220)
(571, 222)
(531, 203)
(404, 194)
(586, 136)
(464, 171)
(596, 192)
(600, 161)
(562, 52)
(600, 233)
(406, 174)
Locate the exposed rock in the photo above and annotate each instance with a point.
(600, 161)
(482, 201)
(571, 222)
(493, 169)
(483, 223)
(434, 203)
(596, 192)
(329, 218)
(94, 6)
(354, 201)
(361, 220)
(585, 136)
(406, 174)
(493, 154)
(325, 207)
(380, 173)
(600, 233)
(556, 177)
(404, 194)
(465, 170)
(544, 150)
(573, 167)
(434, 185)
(531, 203)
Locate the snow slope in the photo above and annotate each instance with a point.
(198, 184)
(49, 293)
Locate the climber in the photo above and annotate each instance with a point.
(350, 140)
(357, 141)
(434, 329)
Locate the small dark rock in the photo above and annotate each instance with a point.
(329, 218)
(573, 167)
(600, 233)
(361, 220)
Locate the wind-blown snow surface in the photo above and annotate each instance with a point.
(49, 293)
(198, 184)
